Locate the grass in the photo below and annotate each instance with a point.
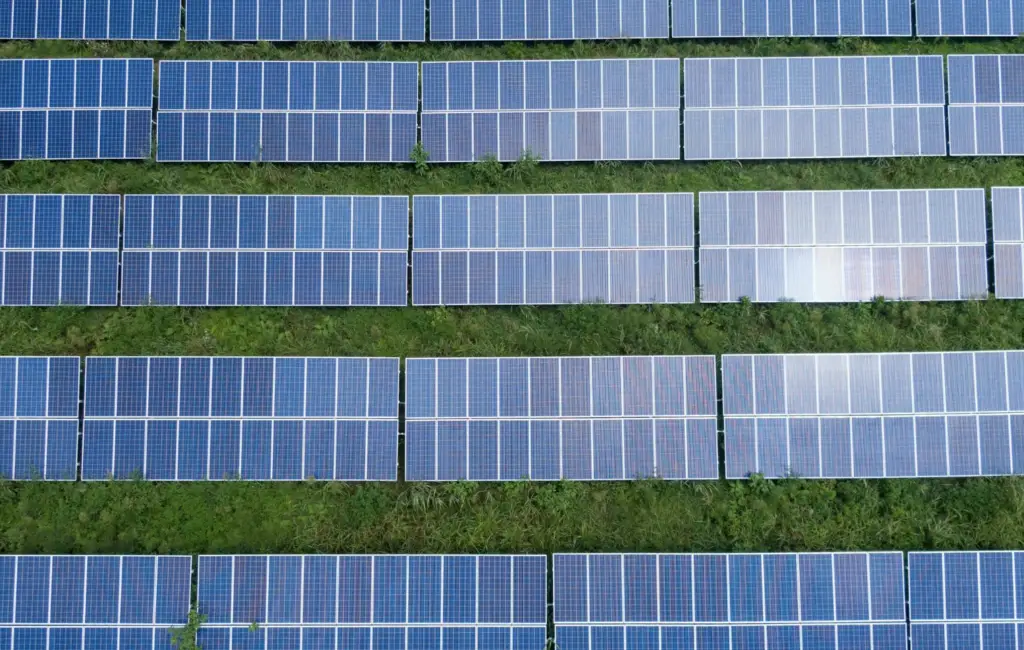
(237, 517)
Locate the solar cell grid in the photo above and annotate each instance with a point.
(265, 250)
(553, 249)
(874, 415)
(91, 19)
(814, 107)
(842, 246)
(254, 418)
(610, 109)
(747, 18)
(75, 108)
(487, 20)
(986, 105)
(552, 418)
(978, 18)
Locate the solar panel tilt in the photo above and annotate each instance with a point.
(874, 415)
(843, 246)
(610, 109)
(814, 107)
(1008, 237)
(254, 418)
(281, 111)
(966, 600)
(830, 18)
(814, 601)
(384, 602)
(305, 20)
(265, 250)
(976, 18)
(75, 108)
(135, 20)
(986, 105)
(552, 418)
(537, 20)
(113, 602)
(59, 249)
(39, 418)
(553, 249)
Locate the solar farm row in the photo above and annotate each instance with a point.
(888, 415)
(483, 20)
(635, 601)
(568, 110)
(220, 250)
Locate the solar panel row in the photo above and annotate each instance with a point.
(753, 18)
(305, 20)
(535, 20)
(986, 105)
(975, 18)
(134, 20)
(1008, 239)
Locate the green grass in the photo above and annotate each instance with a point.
(242, 517)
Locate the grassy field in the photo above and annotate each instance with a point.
(644, 516)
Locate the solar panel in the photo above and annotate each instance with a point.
(537, 20)
(748, 18)
(552, 418)
(976, 18)
(53, 602)
(874, 415)
(553, 249)
(599, 109)
(843, 246)
(814, 107)
(966, 600)
(39, 418)
(287, 111)
(135, 20)
(75, 108)
(1008, 237)
(265, 250)
(386, 602)
(986, 105)
(736, 601)
(305, 20)
(59, 249)
(254, 418)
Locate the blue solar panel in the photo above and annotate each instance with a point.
(265, 250)
(492, 20)
(108, 602)
(874, 415)
(610, 109)
(966, 600)
(211, 418)
(39, 418)
(75, 108)
(843, 246)
(730, 602)
(814, 107)
(986, 105)
(135, 20)
(281, 111)
(59, 249)
(1008, 237)
(973, 18)
(830, 18)
(305, 20)
(553, 249)
(385, 602)
(552, 418)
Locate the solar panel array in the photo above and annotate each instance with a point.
(75, 108)
(537, 20)
(281, 111)
(874, 415)
(971, 599)
(977, 18)
(553, 249)
(755, 18)
(59, 249)
(552, 418)
(129, 602)
(778, 600)
(986, 105)
(265, 250)
(39, 418)
(387, 602)
(610, 109)
(305, 20)
(1008, 237)
(135, 20)
(814, 107)
(254, 418)
(843, 246)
